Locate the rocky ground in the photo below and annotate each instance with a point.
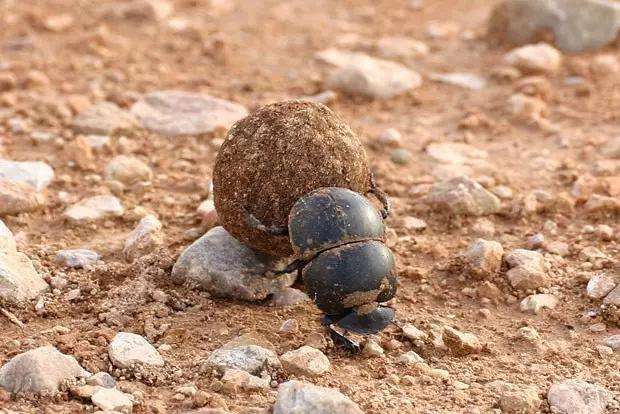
(502, 161)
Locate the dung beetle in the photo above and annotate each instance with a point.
(338, 238)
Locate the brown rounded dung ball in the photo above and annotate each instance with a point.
(274, 156)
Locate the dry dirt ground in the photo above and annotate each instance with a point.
(260, 52)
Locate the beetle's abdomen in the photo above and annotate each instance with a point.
(351, 275)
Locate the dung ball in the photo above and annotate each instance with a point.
(276, 155)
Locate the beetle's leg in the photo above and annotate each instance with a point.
(381, 196)
(255, 223)
(296, 265)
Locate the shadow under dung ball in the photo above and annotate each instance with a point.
(276, 155)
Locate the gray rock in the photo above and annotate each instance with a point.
(303, 398)
(128, 349)
(613, 298)
(35, 173)
(145, 238)
(76, 258)
(249, 357)
(600, 285)
(577, 25)
(527, 269)
(306, 361)
(484, 258)
(111, 399)
(6, 238)
(94, 208)
(19, 281)
(463, 196)
(575, 396)
(101, 379)
(221, 265)
(104, 118)
(613, 342)
(461, 79)
(174, 113)
(40, 370)
(289, 297)
(360, 74)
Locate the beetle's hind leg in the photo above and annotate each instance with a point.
(381, 196)
(256, 224)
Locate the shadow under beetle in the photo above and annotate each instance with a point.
(338, 238)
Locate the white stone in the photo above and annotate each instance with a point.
(306, 361)
(600, 285)
(35, 173)
(40, 370)
(111, 399)
(250, 358)
(128, 349)
(536, 303)
(412, 333)
(575, 396)
(175, 113)
(539, 57)
(94, 208)
(76, 258)
(401, 48)
(7, 242)
(414, 224)
(461, 79)
(373, 78)
(410, 358)
(145, 238)
(303, 398)
(390, 138)
(19, 281)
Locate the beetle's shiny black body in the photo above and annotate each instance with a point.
(338, 239)
(347, 269)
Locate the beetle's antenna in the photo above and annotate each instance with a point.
(256, 224)
(381, 196)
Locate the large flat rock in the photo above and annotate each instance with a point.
(174, 113)
(221, 265)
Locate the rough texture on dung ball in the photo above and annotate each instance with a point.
(275, 156)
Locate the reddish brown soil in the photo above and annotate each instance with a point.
(267, 55)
